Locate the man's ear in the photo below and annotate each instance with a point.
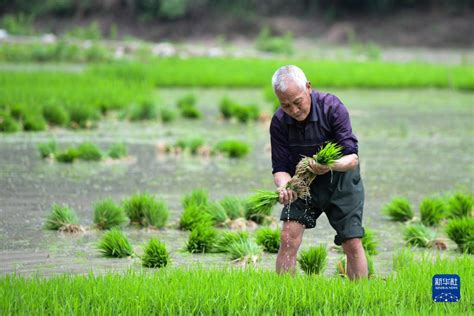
(308, 85)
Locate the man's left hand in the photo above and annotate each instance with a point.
(317, 168)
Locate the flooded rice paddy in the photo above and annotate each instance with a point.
(413, 143)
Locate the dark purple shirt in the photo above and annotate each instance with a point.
(328, 120)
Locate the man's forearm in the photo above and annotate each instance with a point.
(281, 178)
(346, 163)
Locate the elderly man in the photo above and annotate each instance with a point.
(306, 120)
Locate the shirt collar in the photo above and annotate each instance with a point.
(312, 116)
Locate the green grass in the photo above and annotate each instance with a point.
(55, 114)
(167, 115)
(232, 148)
(418, 235)
(210, 291)
(60, 216)
(369, 242)
(197, 197)
(114, 243)
(68, 155)
(260, 205)
(225, 238)
(269, 239)
(190, 143)
(460, 205)
(399, 209)
(193, 216)
(432, 211)
(244, 251)
(461, 231)
(107, 214)
(140, 204)
(267, 42)
(313, 260)
(155, 213)
(7, 123)
(144, 110)
(48, 149)
(89, 151)
(117, 151)
(155, 254)
(233, 206)
(243, 113)
(217, 213)
(201, 239)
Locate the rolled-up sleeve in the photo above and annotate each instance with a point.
(342, 128)
(280, 147)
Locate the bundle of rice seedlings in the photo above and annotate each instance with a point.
(228, 237)
(7, 123)
(369, 243)
(117, 151)
(167, 115)
(114, 243)
(194, 215)
(245, 113)
(68, 155)
(418, 235)
(313, 260)
(190, 112)
(190, 143)
(328, 154)
(217, 213)
(55, 114)
(233, 206)
(188, 100)
(107, 214)
(232, 148)
(83, 116)
(269, 239)
(244, 251)
(34, 122)
(226, 107)
(201, 239)
(399, 209)
(48, 149)
(197, 197)
(138, 205)
(155, 213)
(461, 231)
(460, 205)
(62, 218)
(432, 211)
(155, 254)
(145, 110)
(260, 205)
(89, 151)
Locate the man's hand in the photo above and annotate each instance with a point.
(286, 196)
(317, 168)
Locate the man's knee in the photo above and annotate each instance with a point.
(291, 236)
(352, 247)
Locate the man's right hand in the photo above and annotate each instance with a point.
(286, 196)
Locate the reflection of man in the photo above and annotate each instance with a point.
(306, 120)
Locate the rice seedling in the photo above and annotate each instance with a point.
(402, 258)
(260, 205)
(117, 151)
(155, 214)
(167, 115)
(7, 123)
(188, 100)
(34, 122)
(68, 155)
(155, 254)
(228, 237)
(418, 235)
(461, 231)
(89, 151)
(55, 114)
(201, 239)
(432, 211)
(232, 148)
(190, 112)
(245, 113)
(83, 116)
(399, 209)
(195, 215)
(460, 205)
(48, 149)
(190, 143)
(269, 239)
(217, 213)
(233, 206)
(197, 197)
(115, 244)
(244, 251)
(341, 266)
(107, 214)
(369, 243)
(145, 110)
(313, 260)
(226, 107)
(62, 218)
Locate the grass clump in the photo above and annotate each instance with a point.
(145, 110)
(107, 214)
(187, 107)
(201, 239)
(193, 216)
(89, 151)
(432, 211)
(244, 251)
(48, 149)
(233, 206)
(145, 210)
(369, 243)
(226, 107)
(60, 217)
(190, 143)
(155, 254)
(197, 197)
(269, 239)
(399, 209)
(243, 113)
(461, 231)
(313, 260)
(460, 205)
(217, 213)
(228, 237)
(83, 116)
(167, 115)
(267, 42)
(115, 244)
(418, 235)
(68, 155)
(7, 123)
(260, 205)
(117, 151)
(232, 148)
(34, 122)
(55, 114)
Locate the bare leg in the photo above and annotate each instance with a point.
(356, 260)
(291, 236)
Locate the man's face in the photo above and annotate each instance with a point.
(295, 102)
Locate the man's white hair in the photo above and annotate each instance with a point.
(288, 73)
